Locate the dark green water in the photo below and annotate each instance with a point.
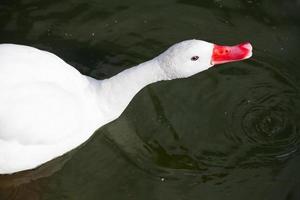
(229, 133)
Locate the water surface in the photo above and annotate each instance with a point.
(231, 132)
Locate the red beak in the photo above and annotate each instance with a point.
(224, 54)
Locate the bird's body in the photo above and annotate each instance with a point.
(48, 108)
(42, 114)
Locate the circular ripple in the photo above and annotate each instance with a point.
(265, 120)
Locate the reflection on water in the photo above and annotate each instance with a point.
(24, 185)
(231, 132)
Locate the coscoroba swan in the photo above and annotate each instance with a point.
(48, 108)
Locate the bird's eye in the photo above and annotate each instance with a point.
(194, 58)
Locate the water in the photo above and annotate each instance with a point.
(231, 132)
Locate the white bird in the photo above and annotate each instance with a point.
(48, 108)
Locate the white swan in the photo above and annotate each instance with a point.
(48, 108)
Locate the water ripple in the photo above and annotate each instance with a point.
(265, 119)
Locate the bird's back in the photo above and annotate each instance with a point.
(23, 64)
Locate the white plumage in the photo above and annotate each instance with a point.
(48, 108)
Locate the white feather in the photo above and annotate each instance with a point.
(48, 108)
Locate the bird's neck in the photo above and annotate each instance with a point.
(115, 93)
